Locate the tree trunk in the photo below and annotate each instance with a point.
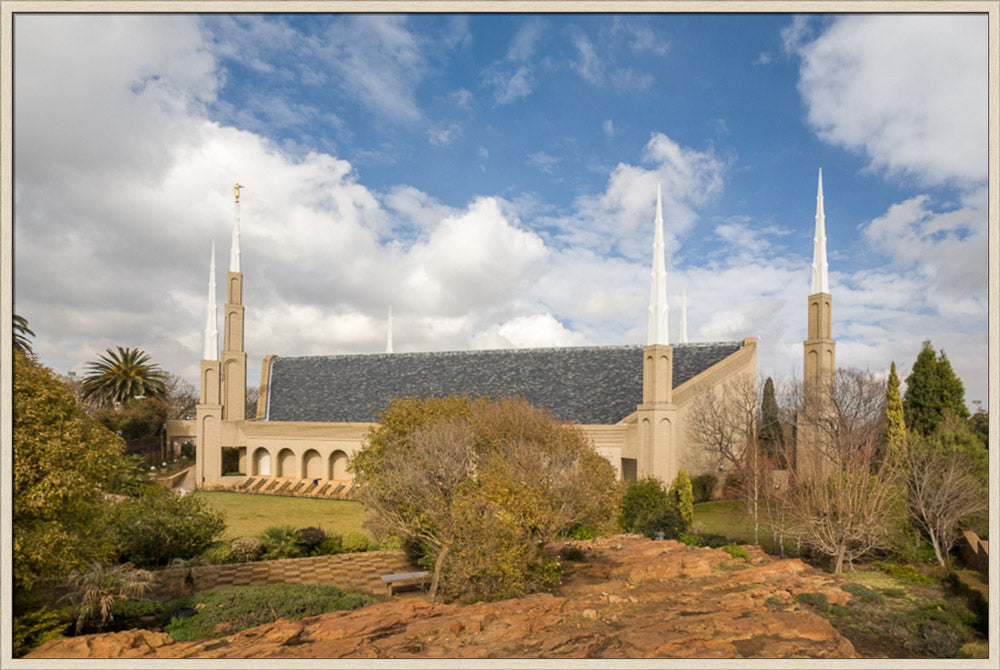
(437, 572)
(839, 565)
(937, 547)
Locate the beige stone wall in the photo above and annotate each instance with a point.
(351, 572)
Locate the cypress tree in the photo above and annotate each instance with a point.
(770, 425)
(894, 435)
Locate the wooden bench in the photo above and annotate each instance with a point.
(405, 580)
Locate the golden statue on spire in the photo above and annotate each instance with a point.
(236, 190)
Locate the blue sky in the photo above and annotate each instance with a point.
(493, 178)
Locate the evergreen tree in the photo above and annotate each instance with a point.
(770, 425)
(894, 434)
(931, 389)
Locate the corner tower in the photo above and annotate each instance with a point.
(234, 358)
(657, 414)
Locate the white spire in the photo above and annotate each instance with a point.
(211, 349)
(234, 249)
(388, 333)
(658, 282)
(684, 317)
(820, 282)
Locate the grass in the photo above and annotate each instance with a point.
(249, 515)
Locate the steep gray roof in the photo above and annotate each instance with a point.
(584, 385)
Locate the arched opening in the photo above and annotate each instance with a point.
(261, 462)
(286, 463)
(338, 465)
(312, 465)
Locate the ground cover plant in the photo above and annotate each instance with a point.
(249, 515)
(902, 617)
(223, 611)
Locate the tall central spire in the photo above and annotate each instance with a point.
(658, 282)
(234, 250)
(211, 349)
(820, 283)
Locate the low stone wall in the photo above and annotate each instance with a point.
(975, 551)
(351, 572)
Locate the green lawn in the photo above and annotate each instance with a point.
(730, 518)
(249, 515)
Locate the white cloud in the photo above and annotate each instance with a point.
(512, 76)
(442, 137)
(543, 161)
(909, 91)
(589, 65)
(537, 330)
(609, 128)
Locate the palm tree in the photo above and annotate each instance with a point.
(21, 332)
(117, 377)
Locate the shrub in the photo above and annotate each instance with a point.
(246, 549)
(280, 542)
(580, 532)
(36, 626)
(903, 572)
(188, 450)
(816, 600)
(713, 540)
(647, 508)
(574, 554)
(134, 609)
(774, 604)
(330, 545)
(703, 487)
(94, 593)
(227, 610)
(354, 541)
(310, 538)
(974, 650)
(689, 540)
(736, 551)
(160, 525)
(217, 554)
(863, 593)
(839, 610)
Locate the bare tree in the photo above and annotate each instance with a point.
(846, 513)
(846, 425)
(182, 397)
(943, 488)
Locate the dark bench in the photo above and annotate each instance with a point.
(405, 580)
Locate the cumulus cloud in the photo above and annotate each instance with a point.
(537, 330)
(910, 92)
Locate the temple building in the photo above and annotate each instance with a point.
(314, 412)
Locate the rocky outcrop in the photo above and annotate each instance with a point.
(630, 598)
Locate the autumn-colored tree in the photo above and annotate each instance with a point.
(480, 486)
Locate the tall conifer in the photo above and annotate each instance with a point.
(931, 389)
(894, 437)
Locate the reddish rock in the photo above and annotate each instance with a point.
(631, 598)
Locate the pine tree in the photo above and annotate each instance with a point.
(932, 389)
(894, 434)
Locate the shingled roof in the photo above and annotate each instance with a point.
(584, 385)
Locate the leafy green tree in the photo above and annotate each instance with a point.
(119, 376)
(479, 487)
(139, 418)
(893, 446)
(21, 334)
(931, 388)
(63, 464)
